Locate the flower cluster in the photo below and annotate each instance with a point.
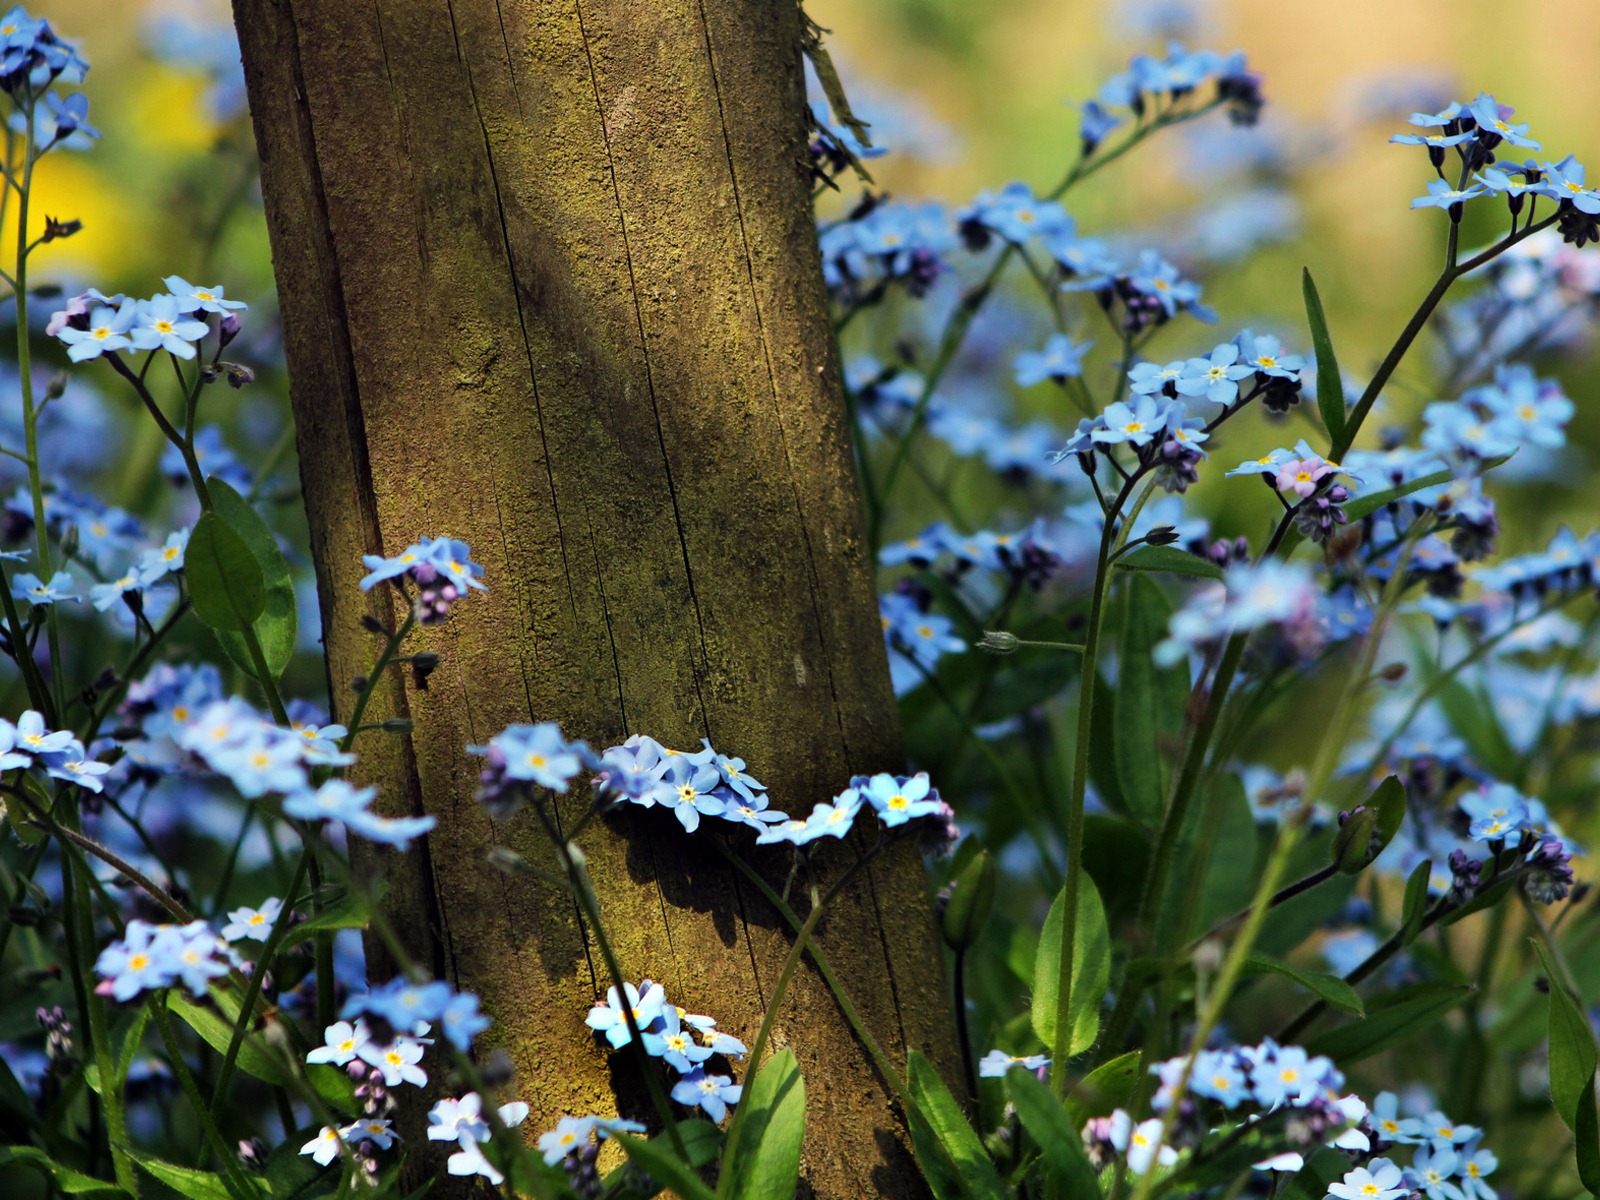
(461, 1120)
(149, 957)
(30, 745)
(684, 1041)
(1154, 87)
(886, 242)
(1024, 556)
(1271, 592)
(441, 568)
(93, 324)
(32, 58)
(259, 758)
(1448, 1160)
(1518, 409)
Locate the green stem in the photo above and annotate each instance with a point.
(252, 991)
(791, 963)
(227, 1162)
(364, 696)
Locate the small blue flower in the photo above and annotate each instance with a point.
(1491, 117)
(1473, 1172)
(1217, 377)
(713, 1093)
(1137, 423)
(899, 799)
(1442, 195)
(34, 590)
(1060, 359)
(1431, 1169)
(1266, 357)
(200, 299)
(1147, 379)
(460, 1021)
(997, 1063)
(160, 325)
(108, 330)
(834, 819)
(1565, 180)
(691, 790)
(539, 754)
(673, 1043)
(609, 1019)
(104, 595)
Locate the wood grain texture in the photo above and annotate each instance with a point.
(550, 284)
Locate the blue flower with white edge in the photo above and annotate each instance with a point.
(538, 754)
(334, 799)
(200, 299)
(460, 1020)
(252, 923)
(1567, 180)
(673, 1042)
(1016, 214)
(1442, 1130)
(712, 1093)
(609, 1020)
(136, 962)
(341, 1043)
(1498, 180)
(104, 596)
(997, 1063)
(1136, 423)
(570, 1133)
(1431, 1170)
(1157, 278)
(898, 799)
(34, 738)
(401, 1002)
(1442, 195)
(1263, 354)
(752, 811)
(1378, 1180)
(160, 325)
(719, 1042)
(1492, 118)
(1456, 430)
(1434, 141)
(29, 587)
(1216, 377)
(1218, 1076)
(1146, 379)
(109, 330)
(690, 790)
(734, 774)
(398, 832)
(1473, 1171)
(1537, 409)
(793, 832)
(397, 1062)
(1060, 359)
(163, 560)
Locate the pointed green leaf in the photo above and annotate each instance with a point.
(1415, 907)
(69, 1181)
(1050, 1125)
(765, 1165)
(186, 1181)
(1091, 970)
(276, 626)
(1572, 1049)
(1108, 1087)
(1392, 1018)
(1148, 700)
(1169, 558)
(937, 1110)
(1586, 1137)
(225, 581)
(1330, 386)
(1327, 987)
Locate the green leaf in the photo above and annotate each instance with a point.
(765, 1165)
(1108, 1087)
(1327, 987)
(1047, 1121)
(1572, 1049)
(1091, 970)
(658, 1157)
(350, 911)
(1391, 1018)
(275, 627)
(1148, 701)
(72, 1182)
(186, 1181)
(1169, 558)
(1330, 386)
(1415, 907)
(225, 581)
(938, 1112)
(1586, 1136)
(217, 1029)
(1371, 827)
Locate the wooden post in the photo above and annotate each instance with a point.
(550, 284)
